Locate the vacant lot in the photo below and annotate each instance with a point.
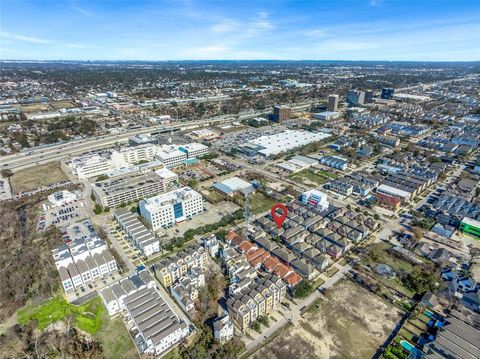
(63, 104)
(32, 178)
(259, 203)
(313, 177)
(87, 317)
(115, 339)
(349, 323)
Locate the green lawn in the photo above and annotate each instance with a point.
(259, 203)
(115, 339)
(88, 316)
(316, 176)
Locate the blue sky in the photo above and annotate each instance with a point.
(434, 30)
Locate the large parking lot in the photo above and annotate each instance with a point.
(63, 215)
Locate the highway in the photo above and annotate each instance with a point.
(42, 155)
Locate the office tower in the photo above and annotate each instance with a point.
(355, 97)
(387, 93)
(368, 96)
(332, 103)
(281, 113)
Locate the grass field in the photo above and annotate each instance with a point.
(313, 176)
(115, 339)
(88, 316)
(349, 322)
(259, 203)
(42, 175)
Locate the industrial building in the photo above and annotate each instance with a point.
(169, 208)
(233, 185)
(271, 145)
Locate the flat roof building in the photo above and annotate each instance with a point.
(173, 207)
(126, 188)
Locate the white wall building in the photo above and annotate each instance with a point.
(91, 165)
(172, 207)
(83, 261)
(315, 198)
(223, 329)
(194, 149)
(132, 155)
(171, 156)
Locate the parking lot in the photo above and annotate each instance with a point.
(93, 286)
(63, 215)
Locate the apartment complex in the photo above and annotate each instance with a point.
(85, 259)
(169, 270)
(143, 238)
(90, 166)
(157, 326)
(114, 294)
(169, 208)
(128, 187)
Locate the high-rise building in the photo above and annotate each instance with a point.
(368, 96)
(281, 113)
(355, 97)
(387, 93)
(332, 103)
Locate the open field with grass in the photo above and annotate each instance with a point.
(315, 177)
(115, 339)
(62, 104)
(32, 178)
(350, 323)
(378, 255)
(87, 317)
(259, 203)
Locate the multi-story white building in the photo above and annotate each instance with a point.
(223, 329)
(143, 238)
(127, 187)
(173, 207)
(171, 156)
(83, 261)
(194, 149)
(315, 198)
(157, 325)
(90, 166)
(132, 155)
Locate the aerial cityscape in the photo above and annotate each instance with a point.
(259, 179)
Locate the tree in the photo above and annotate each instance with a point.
(98, 209)
(6, 173)
(303, 289)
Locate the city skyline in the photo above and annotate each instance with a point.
(208, 30)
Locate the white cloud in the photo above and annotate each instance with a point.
(83, 11)
(316, 33)
(18, 37)
(226, 25)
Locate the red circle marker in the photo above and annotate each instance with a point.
(279, 218)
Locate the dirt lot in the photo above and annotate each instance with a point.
(62, 104)
(38, 176)
(350, 323)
